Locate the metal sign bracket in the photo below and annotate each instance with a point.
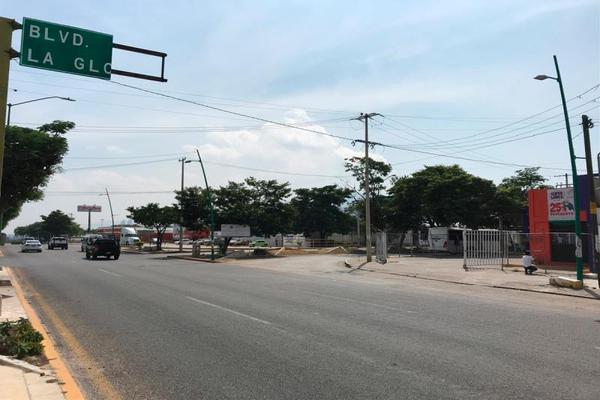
(162, 56)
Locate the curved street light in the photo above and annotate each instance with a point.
(578, 242)
(11, 105)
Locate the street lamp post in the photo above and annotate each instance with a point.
(578, 242)
(112, 215)
(210, 203)
(11, 105)
(183, 162)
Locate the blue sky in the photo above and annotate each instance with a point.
(437, 70)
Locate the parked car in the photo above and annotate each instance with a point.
(185, 241)
(259, 243)
(31, 245)
(58, 242)
(88, 239)
(102, 247)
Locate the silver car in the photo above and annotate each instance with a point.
(31, 245)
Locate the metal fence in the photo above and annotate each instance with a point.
(485, 248)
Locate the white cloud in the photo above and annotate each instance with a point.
(115, 149)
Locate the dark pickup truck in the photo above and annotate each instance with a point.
(58, 242)
(103, 247)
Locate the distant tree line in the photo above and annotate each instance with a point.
(56, 223)
(438, 195)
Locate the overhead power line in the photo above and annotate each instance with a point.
(265, 120)
(291, 173)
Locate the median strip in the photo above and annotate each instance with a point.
(206, 303)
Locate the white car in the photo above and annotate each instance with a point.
(31, 245)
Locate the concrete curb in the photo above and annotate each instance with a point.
(348, 264)
(188, 258)
(352, 267)
(23, 365)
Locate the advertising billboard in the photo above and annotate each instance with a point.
(561, 205)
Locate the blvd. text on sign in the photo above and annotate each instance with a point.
(65, 48)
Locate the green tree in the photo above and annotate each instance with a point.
(58, 223)
(261, 204)
(160, 218)
(35, 230)
(31, 157)
(443, 196)
(55, 223)
(320, 210)
(270, 206)
(193, 201)
(405, 206)
(379, 172)
(512, 195)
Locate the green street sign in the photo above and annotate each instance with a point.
(65, 48)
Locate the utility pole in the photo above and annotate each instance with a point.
(182, 160)
(592, 223)
(365, 118)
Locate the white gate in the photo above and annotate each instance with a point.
(381, 247)
(485, 248)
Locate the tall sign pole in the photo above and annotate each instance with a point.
(89, 209)
(7, 26)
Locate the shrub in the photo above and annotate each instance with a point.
(20, 339)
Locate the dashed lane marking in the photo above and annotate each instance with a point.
(206, 303)
(109, 272)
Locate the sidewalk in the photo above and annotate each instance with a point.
(18, 379)
(451, 270)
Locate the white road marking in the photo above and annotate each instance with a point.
(262, 321)
(355, 301)
(109, 272)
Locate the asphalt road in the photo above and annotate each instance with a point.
(165, 329)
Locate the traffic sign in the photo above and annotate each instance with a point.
(64, 48)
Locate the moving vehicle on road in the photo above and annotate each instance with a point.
(88, 239)
(58, 242)
(103, 247)
(129, 236)
(31, 245)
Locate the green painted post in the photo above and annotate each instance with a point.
(578, 242)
